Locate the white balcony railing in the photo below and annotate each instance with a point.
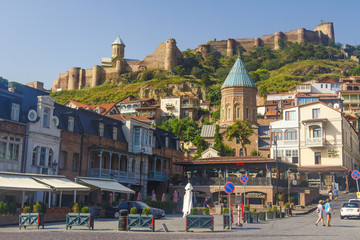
(314, 142)
(117, 175)
(281, 143)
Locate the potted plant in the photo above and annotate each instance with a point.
(253, 216)
(145, 220)
(34, 217)
(287, 209)
(194, 220)
(247, 217)
(281, 198)
(226, 218)
(80, 217)
(292, 200)
(270, 213)
(261, 215)
(276, 212)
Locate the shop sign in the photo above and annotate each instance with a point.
(255, 195)
(333, 153)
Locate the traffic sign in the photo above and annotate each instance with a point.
(358, 194)
(244, 179)
(229, 187)
(355, 174)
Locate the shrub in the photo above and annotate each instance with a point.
(194, 211)
(167, 206)
(275, 208)
(27, 209)
(200, 211)
(287, 205)
(133, 210)
(85, 210)
(281, 196)
(304, 183)
(114, 203)
(12, 208)
(225, 210)
(206, 211)
(76, 208)
(254, 210)
(269, 209)
(37, 208)
(292, 199)
(146, 211)
(246, 208)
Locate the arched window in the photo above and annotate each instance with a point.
(228, 114)
(241, 152)
(290, 134)
(50, 157)
(75, 161)
(35, 156)
(276, 135)
(133, 165)
(238, 113)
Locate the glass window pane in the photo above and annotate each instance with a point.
(2, 150)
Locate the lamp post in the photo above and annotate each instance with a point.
(219, 173)
(288, 175)
(141, 165)
(277, 170)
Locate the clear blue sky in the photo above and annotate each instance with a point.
(40, 39)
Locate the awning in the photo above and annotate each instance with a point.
(20, 182)
(105, 184)
(60, 183)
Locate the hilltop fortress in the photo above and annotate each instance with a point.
(167, 56)
(322, 33)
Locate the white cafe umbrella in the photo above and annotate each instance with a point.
(188, 205)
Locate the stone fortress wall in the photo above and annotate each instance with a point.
(321, 34)
(166, 56)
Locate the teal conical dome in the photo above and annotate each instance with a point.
(238, 76)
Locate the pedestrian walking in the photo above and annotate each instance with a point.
(330, 194)
(336, 192)
(328, 210)
(320, 211)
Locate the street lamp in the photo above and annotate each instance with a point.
(188, 174)
(288, 175)
(219, 175)
(277, 169)
(141, 164)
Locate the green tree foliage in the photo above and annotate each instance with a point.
(241, 130)
(197, 72)
(200, 144)
(214, 95)
(179, 70)
(211, 62)
(224, 149)
(356, 71)
(186, 129)
(259, 75)
(147, 75)
(255, 153)
(205, 79)
(215, 116)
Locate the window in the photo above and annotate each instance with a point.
(50, 157)
(228, 113)
(254, 116)
(222, 114)
(42, 156)
(35, 156)
(133, 165)
(75, 161)
(317, 133)
(277, 135)
(295, 156)
(318, 158)
(2, 150)
(150, 138)
(238, 113)
(115, 133)
(247, 113)
(63, 160)
(321, 86)
(289, 115)
(71, 124)
(288, 153)
(186, 113)
(15, 110)
(325, 85)
(167, 142)
(316, 113)
(136, 136)
(290, 134)
(237, 140)
(101, 129)
(46, 117)
(241, 152)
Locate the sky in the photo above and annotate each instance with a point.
(39, 39)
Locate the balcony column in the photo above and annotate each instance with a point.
(100, 155)
(161, 168)
(167, 166)
(110, 164)
(119, 156)
(155, 164)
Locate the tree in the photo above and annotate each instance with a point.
(356, 71)
(211, 62)
(224, 150)
(241, 130)
(240, 50)
(179, 70)
(205, 79)
(196, 72)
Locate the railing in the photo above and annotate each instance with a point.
(157, 176)
(287, 143)
(314, 142)
(139, 147)
(252, 181)
(120, 176)
(190, 105)
(169, 105)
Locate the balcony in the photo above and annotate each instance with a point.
(253, 181)
(315, 142)
(283, 143)
(169, 105)
(158, 176)
(119, 176)
(146, 149)
(190, 105)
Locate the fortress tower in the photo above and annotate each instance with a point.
(118, 48)
(326, 29)
(170, 54)
(238, 96)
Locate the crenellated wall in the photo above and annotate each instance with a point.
(166, 56)
(323, 33)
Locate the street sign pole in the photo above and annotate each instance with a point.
(244, 195)
(356, 175)
(357, 184)
(229, 214)
(229, 188)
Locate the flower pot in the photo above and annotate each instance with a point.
(270, 215)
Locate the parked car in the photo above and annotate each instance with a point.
(356, 200)
(350, 210)
(115, 211)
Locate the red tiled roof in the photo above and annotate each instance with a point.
(107, 107)
(327, 79)
(139, 118)
(79, 104)
(117, 117)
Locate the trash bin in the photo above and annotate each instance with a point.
(122, 220)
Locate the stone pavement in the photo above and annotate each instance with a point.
(297, 227)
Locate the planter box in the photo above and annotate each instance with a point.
(29, 219)
(140, 221)
(254, 217)
(80, 219)
(270, 215)
(247, 217)
(226, 220)
(199, 221)
(288, 212)
(261, 216)
(277, 214)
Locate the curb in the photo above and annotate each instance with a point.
(306, 212)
